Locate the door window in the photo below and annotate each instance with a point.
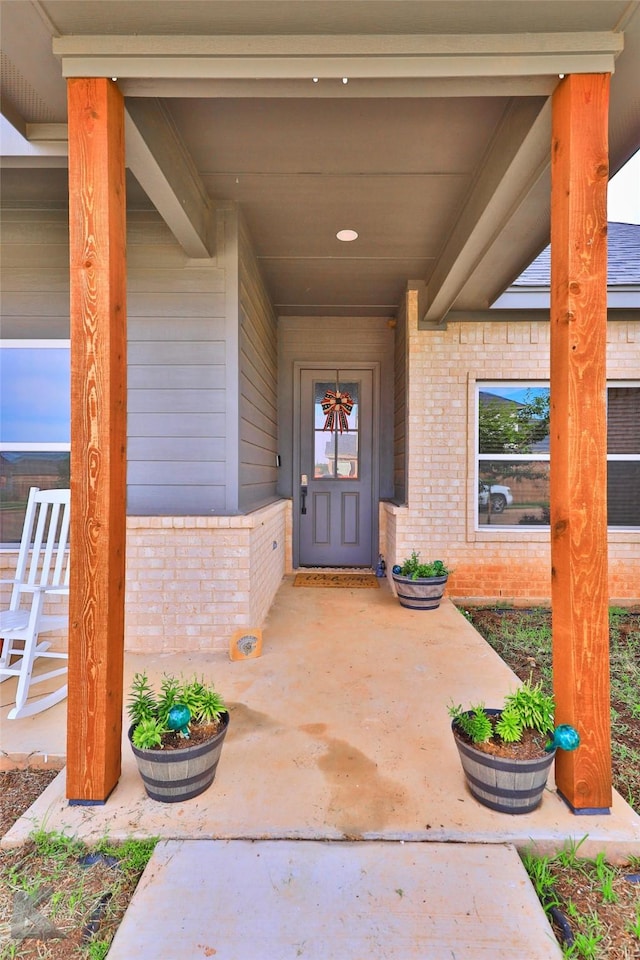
(336, 430)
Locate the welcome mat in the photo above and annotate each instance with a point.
(357, 580)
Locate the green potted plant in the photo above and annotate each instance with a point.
(506, 753)
(420, 586)
(176, 735)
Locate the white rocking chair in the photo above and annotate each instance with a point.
(42, 570)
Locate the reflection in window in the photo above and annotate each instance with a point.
(35, 394)
(19, 471)
(336, 431)
(35, 425)
(513, 491)
(513, 455)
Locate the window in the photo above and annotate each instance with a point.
(35, 425)
(336, 430)
(513, 454)
(623, 455)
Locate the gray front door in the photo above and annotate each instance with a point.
(335, 497)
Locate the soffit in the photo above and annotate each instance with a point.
(262, 17)
(397, 171)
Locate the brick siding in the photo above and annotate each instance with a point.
(444, 366)
(193, 581)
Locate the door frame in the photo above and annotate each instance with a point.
(374, 367)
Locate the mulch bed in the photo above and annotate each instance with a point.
(18, 790)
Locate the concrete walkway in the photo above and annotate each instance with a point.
(338, 732)
(280, 900)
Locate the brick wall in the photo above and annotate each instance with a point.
(193, 581)
(439, 519)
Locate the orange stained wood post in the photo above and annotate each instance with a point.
(97, 236)
(579, 589)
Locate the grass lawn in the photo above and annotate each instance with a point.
(60, 899)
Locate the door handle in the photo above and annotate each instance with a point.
(303, 493)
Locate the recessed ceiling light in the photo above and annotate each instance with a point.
(345, 79)
(315, 79)
(347, 235)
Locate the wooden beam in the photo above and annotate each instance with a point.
(516, 158)
(162, 166)
(47, 133)
(97, 238)
(331, 56)
(532, 86)
(579, 589)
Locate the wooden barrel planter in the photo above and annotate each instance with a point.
(172, 776)
(505, 785)
(420, 594)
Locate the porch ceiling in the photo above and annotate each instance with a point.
(436, 151)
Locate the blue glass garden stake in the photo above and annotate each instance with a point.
(565, 737)
(178, 719)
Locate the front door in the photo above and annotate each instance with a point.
(334, 505)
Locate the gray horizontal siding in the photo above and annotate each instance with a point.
(166, 472)
(177, 306)
(165, 497)
(161, 254)
(192, 353)
(207, 281)
(34, 328)
(33, 258)
(177, 350)
(193, 328)
(177, 401)
(34, 280)
(189, 449)
(163, 375)
(258, 382)
(35, 303)
(34, 274)
(190, 425)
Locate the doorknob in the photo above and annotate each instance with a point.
(303, 493)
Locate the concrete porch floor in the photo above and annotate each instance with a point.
(338, 731)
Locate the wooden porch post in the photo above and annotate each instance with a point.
(579, 591)
(97, 235)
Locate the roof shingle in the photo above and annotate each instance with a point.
(623, 260)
